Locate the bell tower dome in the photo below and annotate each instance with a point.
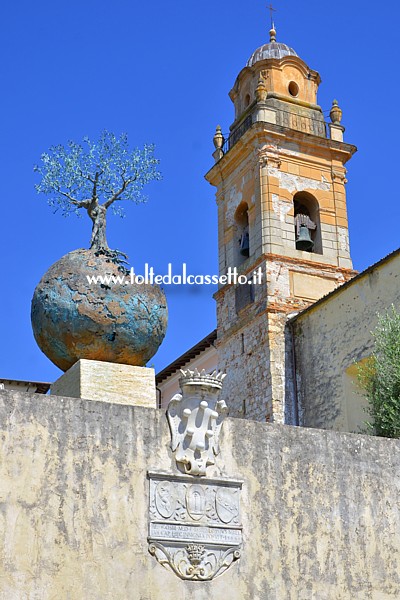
(280, 187)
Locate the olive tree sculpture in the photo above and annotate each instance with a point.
(73, 319)
(96, 176)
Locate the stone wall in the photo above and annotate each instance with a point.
(330, 337)
(320, 510)
(245, 356)
(251, 332)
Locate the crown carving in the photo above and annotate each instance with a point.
(214, 379)
(195, 553)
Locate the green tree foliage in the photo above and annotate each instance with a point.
(379, 377)
(96, 176)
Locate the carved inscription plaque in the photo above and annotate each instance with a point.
(195, 527)
(212, 535)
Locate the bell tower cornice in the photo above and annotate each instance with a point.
(280, 141)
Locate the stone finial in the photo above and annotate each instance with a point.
(261, 90)
(219, 141)
(195, 419)
(218, 138)
(336, 113)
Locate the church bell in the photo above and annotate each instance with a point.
(304, 241)
(244, 244)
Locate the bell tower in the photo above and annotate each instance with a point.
(280, 187)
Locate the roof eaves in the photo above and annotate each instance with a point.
(180, 362)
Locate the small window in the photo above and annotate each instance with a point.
(293, 89)
(242, 234)
(247, 100)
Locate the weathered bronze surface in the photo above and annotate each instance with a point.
(73, 319)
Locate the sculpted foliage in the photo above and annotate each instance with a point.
(96, 176)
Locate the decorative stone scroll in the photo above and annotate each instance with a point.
(195, 525)
(195, 419)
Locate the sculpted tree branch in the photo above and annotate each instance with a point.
(117, 194)
(78, 203)
(94, 176)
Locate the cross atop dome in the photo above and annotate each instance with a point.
(271, 10)
(272, 31)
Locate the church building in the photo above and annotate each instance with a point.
(105, 496)
(280, 179)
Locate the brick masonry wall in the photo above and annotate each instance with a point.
(245, 357)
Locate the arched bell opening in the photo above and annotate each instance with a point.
(242, 234)
(307, 223)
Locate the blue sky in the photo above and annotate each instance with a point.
(161, 72)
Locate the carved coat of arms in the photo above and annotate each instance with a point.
(195, 419)
(195, 526)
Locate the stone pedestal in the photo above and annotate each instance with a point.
(265, 114)
(336, 132)
(108, 382)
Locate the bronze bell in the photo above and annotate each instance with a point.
(244, 244)
(304, 241)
